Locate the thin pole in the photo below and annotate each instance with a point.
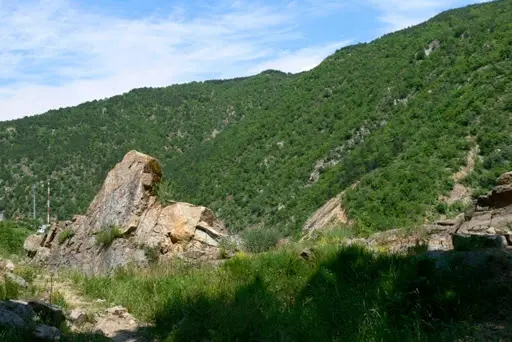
(48, 219)
(34, 201)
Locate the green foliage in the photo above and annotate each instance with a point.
(10, 289)
(107, 235)
(12, 237)
(65, 234)
(344, 294)
(59, 300)
(257, 240)
(382, 113)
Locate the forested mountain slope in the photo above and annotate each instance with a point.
(397, 115)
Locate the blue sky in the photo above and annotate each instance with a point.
(58, 53)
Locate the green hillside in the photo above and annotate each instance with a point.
(399, 115)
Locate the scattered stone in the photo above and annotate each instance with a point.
(46, 333)
(77, 317)
(49, 314)
(17, 279)
(117, 323)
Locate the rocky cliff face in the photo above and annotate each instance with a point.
(487, 225)
(126, 224)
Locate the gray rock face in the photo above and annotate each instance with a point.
(142, 224)
(46, 333)
(21, 316)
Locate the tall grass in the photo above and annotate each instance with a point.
(344, 294)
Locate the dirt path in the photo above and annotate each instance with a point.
(114, 322)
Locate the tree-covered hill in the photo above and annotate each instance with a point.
(397, 115)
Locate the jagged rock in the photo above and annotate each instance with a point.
(32, 243)
(505, 179)
(42, 255)
(49, 314)
(16, 279)
(46, 333)
(127, 203)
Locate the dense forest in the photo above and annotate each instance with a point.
(398, 115)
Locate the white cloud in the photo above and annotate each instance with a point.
(301, 60)
(56, 54)
(399, 14)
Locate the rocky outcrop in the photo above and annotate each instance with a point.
(22, 317)
(126, 224)
(490, 224)
(329, 215)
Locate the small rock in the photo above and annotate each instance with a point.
(49, 314)
(77, 317)
(17, 279)
(46, 333)
(491, 231)
(307, 254)
(9, 266)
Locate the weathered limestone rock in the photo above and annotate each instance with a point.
(330, 214)
(32, 243)
(126, 204)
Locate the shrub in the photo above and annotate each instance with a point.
(65, 234)
(12, 237)
(259, 240)
(107, 235)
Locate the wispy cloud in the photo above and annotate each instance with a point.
(399, 14)
(55, 53)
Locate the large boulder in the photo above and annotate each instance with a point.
(126, 224)
(490, 224)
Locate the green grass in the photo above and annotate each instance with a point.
(107, 235)
(12, 237)
(344, 294)
(65, 234)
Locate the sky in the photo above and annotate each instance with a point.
(60, 53)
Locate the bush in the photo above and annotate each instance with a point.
(12, 237)
(259, 240)
(107, 235)
(65, 234)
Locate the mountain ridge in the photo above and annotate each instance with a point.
(393, 114)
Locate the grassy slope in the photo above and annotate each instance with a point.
(344, 294)
(391, 117)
